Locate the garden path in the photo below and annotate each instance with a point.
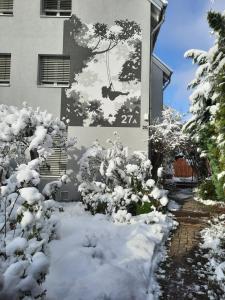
(179, 275)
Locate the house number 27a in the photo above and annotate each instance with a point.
(128, 119)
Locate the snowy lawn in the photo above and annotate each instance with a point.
(98, 259)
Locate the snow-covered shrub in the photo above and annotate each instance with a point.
(167, 140)
(112, 180)
(27, 137)
(26, 227)
(26, 134)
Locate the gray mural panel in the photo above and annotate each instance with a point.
(105, 78)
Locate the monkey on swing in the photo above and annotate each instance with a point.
(108, 92)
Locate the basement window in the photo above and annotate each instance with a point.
(5, 65)
(55, 165)
(64, 196)
(57, 8)
(54, 70)
(6, 7)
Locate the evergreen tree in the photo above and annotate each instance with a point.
(208, 103)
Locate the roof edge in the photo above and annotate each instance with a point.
(164, 67)
(160, 4)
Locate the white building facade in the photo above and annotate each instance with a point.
(87, 62)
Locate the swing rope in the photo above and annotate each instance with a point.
(108, 71)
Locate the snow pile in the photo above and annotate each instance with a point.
(213, 241)
(98, 259)
(112, 180)
(210, 202)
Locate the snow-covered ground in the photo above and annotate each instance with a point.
(98, 259)
(181, 194)
(183, 179)
(214, 241)
(210, 202)
(173, 206)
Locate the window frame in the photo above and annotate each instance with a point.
(9, 12)
(55, 84)
(57, 11)
(7, 82)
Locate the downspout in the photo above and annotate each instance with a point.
(150, 69)
(167, 83)
(160, 23)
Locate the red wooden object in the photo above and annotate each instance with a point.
(182, 168)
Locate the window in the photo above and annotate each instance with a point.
(6, 7)
(5, 62)
(64, 196)
(57, 8)
(54, 70)
(55, 165)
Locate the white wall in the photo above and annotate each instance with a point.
(26, 34)
(107, 11)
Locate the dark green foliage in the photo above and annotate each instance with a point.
(208, 124)
(216, 22)
(144, 208)
(220, 133)
(139, 208)
(216, 169)
(97, 208)
(206, 190)
(133, 208)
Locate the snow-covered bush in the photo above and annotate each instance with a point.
(112, 180)
(167, 140)
(26, 134)
(26, 227)
(27, 137)
(166, 137)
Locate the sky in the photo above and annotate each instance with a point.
(185, 28)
